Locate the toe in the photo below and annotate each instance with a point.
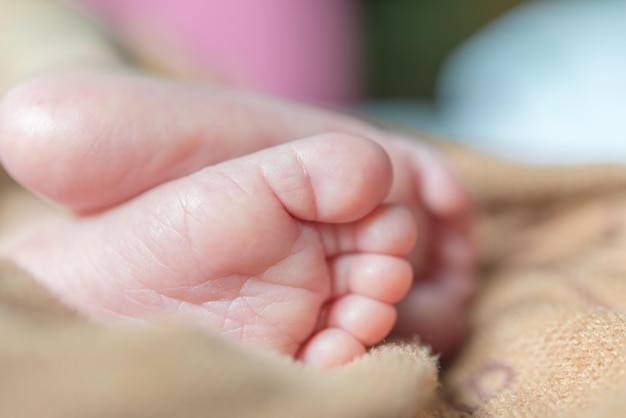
(379, 277)
(331, 178)
(441, 190)
(368, 320)
(331, 347)
(389, 229)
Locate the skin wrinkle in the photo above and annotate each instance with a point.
(185, 233)
(153, 248)
(235, 311)
(274, 262)
(189, 153)
(234, 184)
(128, 254)
(263, 275)
(329, 240)
(160, 293)
(350, 240)
(341, 287)
(181, 307)
(285, 284)
(205, 199)
(266, 304)
(305, 182)
(335, 240)
(260, 322)
(165, 302)
(234, 289)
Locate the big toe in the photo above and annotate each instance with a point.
(331, 178)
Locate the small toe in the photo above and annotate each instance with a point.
(368, 320)
(388, 229)
(331, 347)
(380, 277)
(330, 178)
(441, 190)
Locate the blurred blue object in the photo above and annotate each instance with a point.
(545, 83)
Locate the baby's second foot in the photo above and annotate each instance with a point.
(288, 250)
(436, 306)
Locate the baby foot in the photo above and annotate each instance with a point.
(288, 249)
(148, 132)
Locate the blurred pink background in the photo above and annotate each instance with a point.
(306, 50)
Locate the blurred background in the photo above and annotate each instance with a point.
(325, 51)
(539, 81)
(408, 41)
(542, 81)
